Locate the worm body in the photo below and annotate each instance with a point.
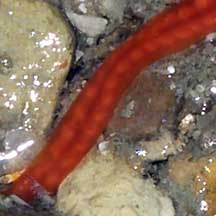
(171, 31)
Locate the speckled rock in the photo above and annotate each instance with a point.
(106, 186)
(35, 54)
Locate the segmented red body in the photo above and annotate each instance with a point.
(171, 31)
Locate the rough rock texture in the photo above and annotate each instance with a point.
(106, 186)
(35, 55)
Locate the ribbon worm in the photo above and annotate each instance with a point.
(171, 31)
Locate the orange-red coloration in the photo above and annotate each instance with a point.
(171, 31)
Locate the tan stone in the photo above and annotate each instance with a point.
(103, 185)
(35, 54)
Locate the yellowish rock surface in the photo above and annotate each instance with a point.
(35, 54)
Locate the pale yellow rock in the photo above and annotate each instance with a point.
(104, 186)
(35, 54)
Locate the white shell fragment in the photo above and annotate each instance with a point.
(95, 17)
(90, 25)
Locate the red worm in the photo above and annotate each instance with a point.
(171, 31)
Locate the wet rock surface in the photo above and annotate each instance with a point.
(35, 54)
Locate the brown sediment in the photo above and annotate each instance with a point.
(141, 110)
